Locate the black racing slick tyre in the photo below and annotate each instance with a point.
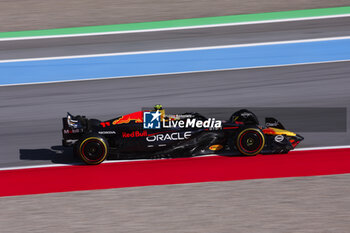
(250, 141)
(92, 149)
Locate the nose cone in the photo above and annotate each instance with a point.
(296, 140)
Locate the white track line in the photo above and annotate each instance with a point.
(138, 160)
(175, 73)
(179, 50)
(176, 28)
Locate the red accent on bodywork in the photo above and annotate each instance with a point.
(268, 131)
(295, 143)
(233, 127)
(104, 124)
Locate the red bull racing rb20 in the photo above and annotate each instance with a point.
(152, 134)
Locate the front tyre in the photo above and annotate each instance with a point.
(250, 141)
(92, 149)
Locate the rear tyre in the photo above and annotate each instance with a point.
(92, 149)
(250, 141)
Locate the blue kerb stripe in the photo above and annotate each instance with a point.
(173, 62)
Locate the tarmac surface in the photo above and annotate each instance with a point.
(30, 122)
(231, 35)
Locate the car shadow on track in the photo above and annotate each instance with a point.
(56, 154)
(64, 155)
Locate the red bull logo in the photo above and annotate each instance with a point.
(135, 134)
(136, 117)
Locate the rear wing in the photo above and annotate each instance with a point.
(73, 128)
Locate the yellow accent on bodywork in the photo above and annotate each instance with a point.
(215, 147)
(279, 131)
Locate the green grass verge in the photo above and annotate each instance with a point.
(180, 22)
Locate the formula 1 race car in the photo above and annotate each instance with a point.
(152, 134)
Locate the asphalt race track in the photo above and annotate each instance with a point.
(30, 124)
(31, 115)
(255, 33)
